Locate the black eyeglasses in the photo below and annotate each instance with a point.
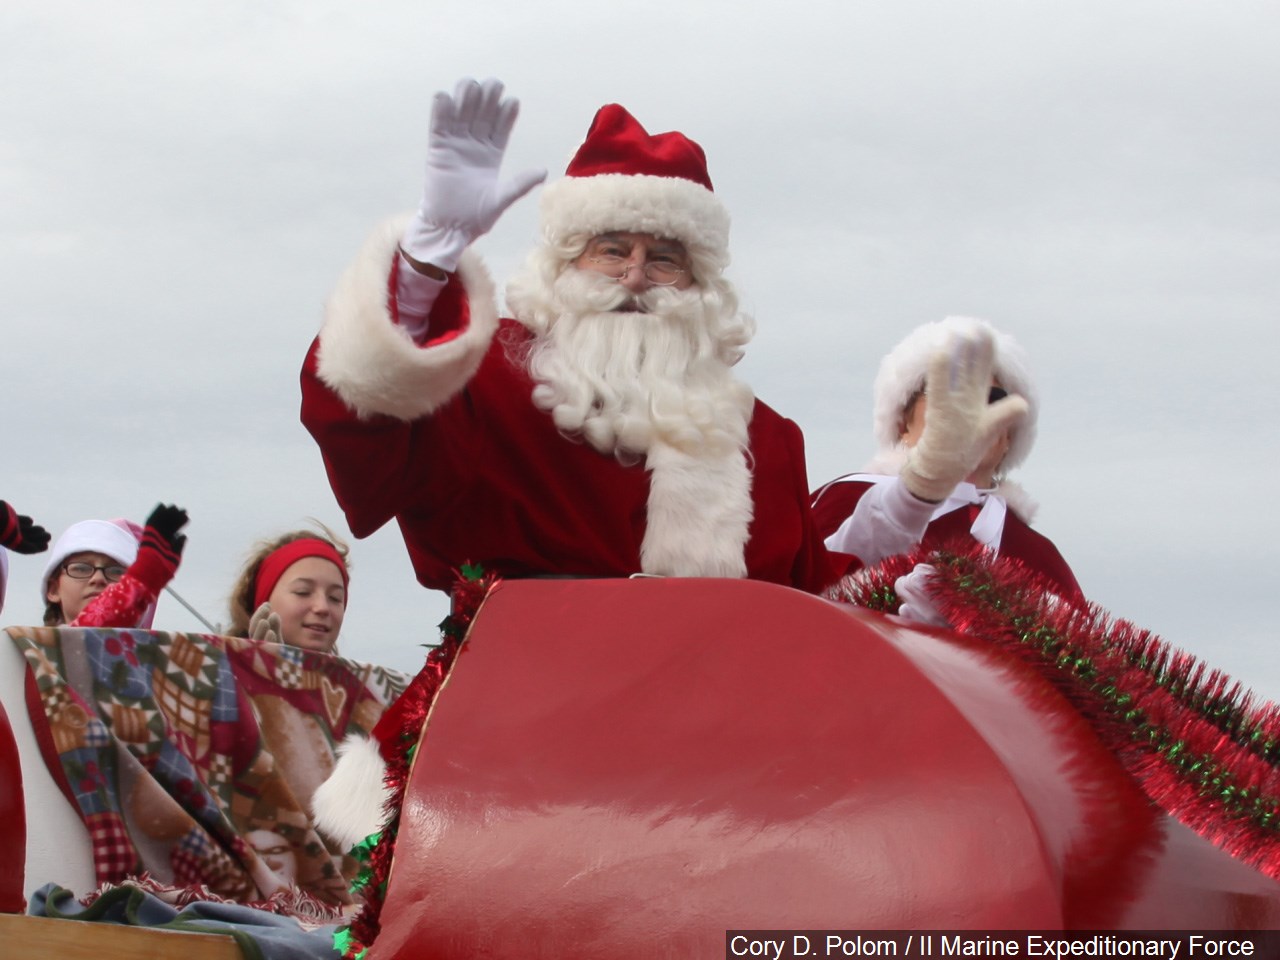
(79, 570)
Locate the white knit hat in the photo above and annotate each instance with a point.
(117, 539)
(902, 375)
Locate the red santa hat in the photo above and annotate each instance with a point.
(626, 179)
(902, 375)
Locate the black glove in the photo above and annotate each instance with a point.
(161, 547)
(165, 521)
(20, 533)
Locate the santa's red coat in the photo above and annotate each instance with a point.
(485, 477)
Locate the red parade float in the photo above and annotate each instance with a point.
(624, 768)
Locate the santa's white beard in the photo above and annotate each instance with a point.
(623, 378)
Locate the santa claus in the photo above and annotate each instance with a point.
(599, 430)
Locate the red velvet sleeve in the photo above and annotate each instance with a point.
(1038, 552)
(834, 503)
(365, 459)
(1066, 578)
(370, 461)
(816, 566)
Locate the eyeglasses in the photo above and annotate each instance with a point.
(79, 570)
(661, 273)
(612, 254)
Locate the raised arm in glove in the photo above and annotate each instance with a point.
(463, 193)
(20, 533)
(116, 595)
(963, 428)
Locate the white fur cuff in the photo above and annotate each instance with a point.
(350, 804)
(371, 363)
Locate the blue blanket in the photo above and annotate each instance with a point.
(259, 934)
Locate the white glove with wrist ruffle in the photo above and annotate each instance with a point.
(462, 195)
(959, 424)
(913, 590)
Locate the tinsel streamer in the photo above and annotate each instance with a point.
(397, 734)
(1200, 745)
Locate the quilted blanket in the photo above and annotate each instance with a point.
(192, 758)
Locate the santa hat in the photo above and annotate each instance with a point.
(902, 375)
(625, 179)
(117, 539)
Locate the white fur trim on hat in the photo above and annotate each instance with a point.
(670, 207)
(350, 804)
(111, 537)
(371, 363)
(902, 375)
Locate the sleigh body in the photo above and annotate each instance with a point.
(632, 768)
(625, 768)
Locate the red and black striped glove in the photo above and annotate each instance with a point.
(161, 547)
(20, 533)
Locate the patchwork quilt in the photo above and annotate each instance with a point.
(192, 758)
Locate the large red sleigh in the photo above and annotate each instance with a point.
(631, 768)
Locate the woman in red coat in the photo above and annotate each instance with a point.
(955, 411)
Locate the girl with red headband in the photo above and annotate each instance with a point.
(293, 590)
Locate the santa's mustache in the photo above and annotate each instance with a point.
(589, 292)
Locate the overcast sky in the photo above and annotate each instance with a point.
(182, 184)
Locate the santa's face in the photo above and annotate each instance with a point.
(637, 261)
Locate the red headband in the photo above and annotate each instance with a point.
(282, 558)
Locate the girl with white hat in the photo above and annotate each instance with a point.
(109, 573)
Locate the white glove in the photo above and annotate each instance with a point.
(462, 196)
(264, 625)
(913, 590)
(959, 424)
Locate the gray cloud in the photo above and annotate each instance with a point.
(182, 186)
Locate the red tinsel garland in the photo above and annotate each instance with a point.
(1200, 745)
(397, 734)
